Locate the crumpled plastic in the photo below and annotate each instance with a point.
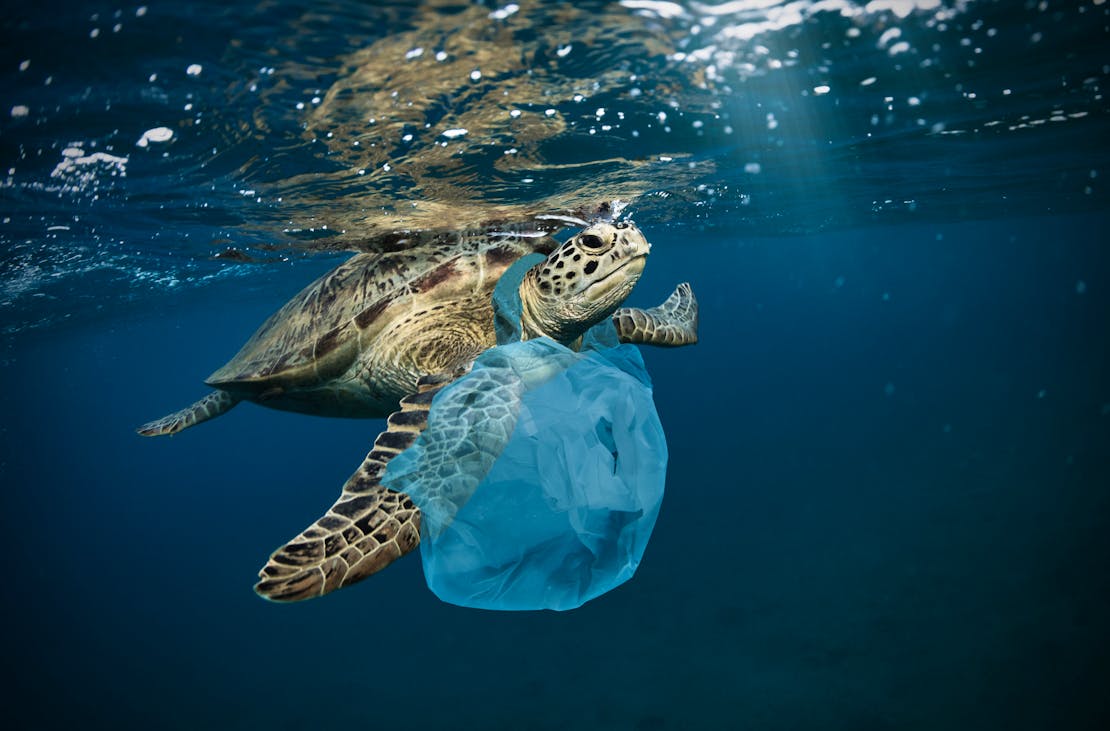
(540, 475)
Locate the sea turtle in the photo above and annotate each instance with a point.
(393, 328)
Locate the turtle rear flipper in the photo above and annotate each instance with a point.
(368, 527)
(671, 324)
(209, 407)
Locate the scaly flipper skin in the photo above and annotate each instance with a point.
(368, 527)
(671, 324)
(209, 407)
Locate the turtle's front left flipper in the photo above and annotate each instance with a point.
(367, 528)
(671, 324)
(209, 407)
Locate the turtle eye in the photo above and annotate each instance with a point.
(590, 241)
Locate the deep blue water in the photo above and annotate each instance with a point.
(888, 497)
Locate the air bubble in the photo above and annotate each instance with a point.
(156, 134)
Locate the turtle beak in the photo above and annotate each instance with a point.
(634, 251)
(635, 246)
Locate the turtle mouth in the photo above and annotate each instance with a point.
(596, 286)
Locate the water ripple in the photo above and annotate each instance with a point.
(183, 143)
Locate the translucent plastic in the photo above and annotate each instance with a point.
(539, 477)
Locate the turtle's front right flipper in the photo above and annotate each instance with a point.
(209, 407)
(368, 527)
(671, 324)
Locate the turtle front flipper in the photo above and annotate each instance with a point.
(368, 527)
(209, 407)
(671, 324)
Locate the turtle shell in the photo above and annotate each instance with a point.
(320, 332)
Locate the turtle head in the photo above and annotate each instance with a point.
(582, 282)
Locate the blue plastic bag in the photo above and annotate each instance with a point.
(539, 477)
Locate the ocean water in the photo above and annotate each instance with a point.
(888, 495)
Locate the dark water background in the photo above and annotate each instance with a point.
(888, 496)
